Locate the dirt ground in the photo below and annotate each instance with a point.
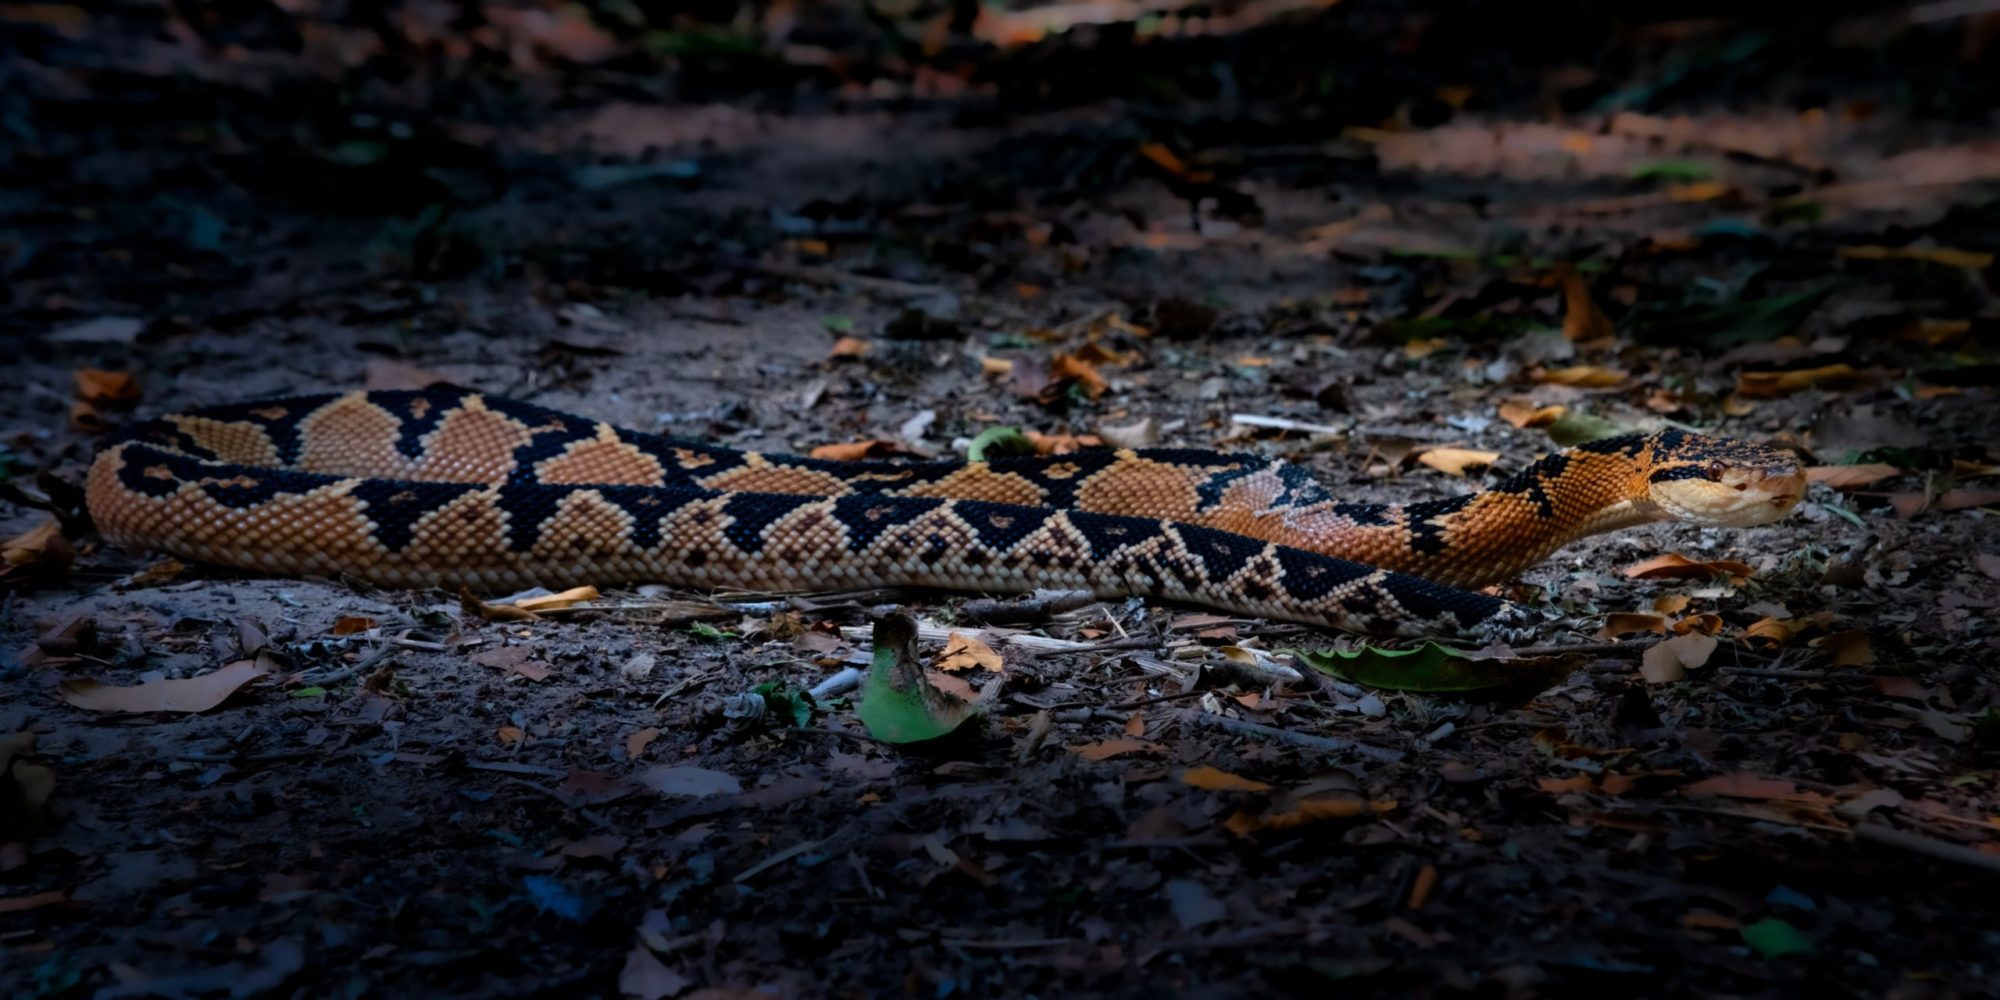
(1370, 238)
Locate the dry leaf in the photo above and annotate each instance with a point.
(353, 624)
(1097, 354)
(1848, 648)
(1771, 385)
(1311, 810)
(1988, 564)
(848, 347)
(1060, 444)
(1972, 260)
(1620, 623)
(510, 735)
(1706, 623)
(1143, 433)
(637, 743)
(1962, 499)
(855, 451)
(1672, 604)
(38, 550)
(954, 686)
(1770, 633)
(1750, 786)
(1851, 477)
(1212, 779)
(1584, 376)
(1673, 566)
(1670, 660)
(1583, 320)
(1458, 461)
(995, 367)
(382, 373)
(192, 694)
(1523, 413)
(112, 389)
(557, 602)
(963, 652)
(1107, 749)
(493, 612)
(1066, 368)
(1565, 786)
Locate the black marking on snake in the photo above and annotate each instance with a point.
(1208, 493)
(1426, 600)
(751, 513)
(279, 419)
(396, 505)
(1199, 458)
(1221, 553)
(672, 455)
(1107, 533)
(1426, 529)
(868, 515)
(1301, 487)
(165, 434)
(1672, 473)
(552, 435)
(648, 506)
(1001, 526)
(1310, 576)
(1059, 480)
(1628, 445)
(142, 463)
(418, 412)
(1368, 515)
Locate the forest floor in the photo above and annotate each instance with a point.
(1327, 235)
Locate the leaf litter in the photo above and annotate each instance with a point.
(1451, 284)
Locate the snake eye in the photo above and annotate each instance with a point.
(1715, 471)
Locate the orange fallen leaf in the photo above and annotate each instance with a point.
(637, 743)
(1584, 376)
(1135, 725)
(353, 624)
(1673, 566)
(1770, 633)
(1210, 779)
(1312, 810)
(1583, 319)
(995, 367)
(1672, 604)
(1418, 348)
(40, 549)
(1771, 385)
(1962, 499)
(510, 735)
(190, 694)
(1422, 886)
(963, 652)
(1564, 786)
(1524, 413)
(1458, 461)
(16, 904)
(847, 348)
(493, 612)
(1970, 259)
(1848, 648)
(1627, 622)
(951, 685)
(1065, 368)
(1851, 477)
(557, 602)
(1749, 786)
(383, 373)
(113, 389)
(855, 451)
(1061, 444)
(1107, 749)
(1670, 660)
(1706, 623)
(1094, 353)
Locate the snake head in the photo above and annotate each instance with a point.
(1723, 483)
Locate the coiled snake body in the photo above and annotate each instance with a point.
(445, 487)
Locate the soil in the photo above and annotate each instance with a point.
(1348, 225)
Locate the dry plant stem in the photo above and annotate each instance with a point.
(1306, 740)
(1930, 847)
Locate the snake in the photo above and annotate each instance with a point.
(448, 487)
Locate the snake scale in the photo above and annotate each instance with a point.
(448, 487)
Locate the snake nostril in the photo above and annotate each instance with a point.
(1740, 487)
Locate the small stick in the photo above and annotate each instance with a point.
(1307, 740)
(1929, 847)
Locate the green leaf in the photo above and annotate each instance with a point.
(1434, 668)
(1773, 937)
(897, 704)
(786, 701)
(1730, 323)
(1578, 426)
(838, 323)
(994, 442)
(310, 692)
(710, 632)
(1671, 170)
